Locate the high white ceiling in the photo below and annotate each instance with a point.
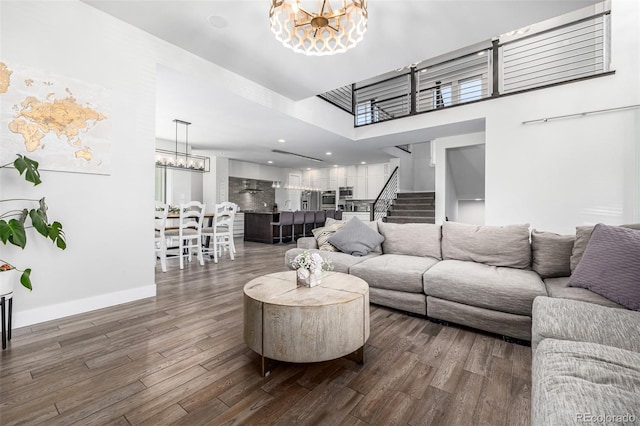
(399, 33)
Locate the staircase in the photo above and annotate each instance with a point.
(413, 207)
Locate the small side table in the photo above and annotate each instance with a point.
(6, 299)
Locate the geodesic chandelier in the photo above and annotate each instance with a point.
(325, 32)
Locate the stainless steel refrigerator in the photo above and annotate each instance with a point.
(310, 200)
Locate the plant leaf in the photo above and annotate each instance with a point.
(25, 279)
(13, 231)
(57, 235)
(43, 208)
(39, 221)
(29, 167)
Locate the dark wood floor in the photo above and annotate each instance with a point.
(179, 358)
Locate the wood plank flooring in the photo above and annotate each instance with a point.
(179, 358)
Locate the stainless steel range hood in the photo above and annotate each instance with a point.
(249, 189)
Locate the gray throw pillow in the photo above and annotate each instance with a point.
(373, 225)
(610, 265)
(356, 238)
(415, 239)
(551, 254)
(492, 245)
(583, 233)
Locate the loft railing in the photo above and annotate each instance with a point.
(565, 49)
(384, 200)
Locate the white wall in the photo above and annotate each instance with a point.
(415, 173)
(424, 176)
(107, 219)
(471, 212)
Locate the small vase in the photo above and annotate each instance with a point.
(306, 279)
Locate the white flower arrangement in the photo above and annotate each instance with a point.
(309, 266)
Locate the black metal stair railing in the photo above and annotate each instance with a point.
(386, 197)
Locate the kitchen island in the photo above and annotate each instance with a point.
(258, 228)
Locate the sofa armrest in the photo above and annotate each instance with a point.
(566, 319)
(307, 243)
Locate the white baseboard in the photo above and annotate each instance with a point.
(61, 310)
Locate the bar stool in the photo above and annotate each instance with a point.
(321, 217)
(298, 219)
(309, 219)
(338, 215)
(286, 219)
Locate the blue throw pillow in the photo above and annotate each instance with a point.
(356, 238)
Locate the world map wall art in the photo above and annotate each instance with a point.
(61, 122)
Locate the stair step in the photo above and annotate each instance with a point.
(416, 195)
(405, 219)
(413, 206)
(412, 213)
(414, 200)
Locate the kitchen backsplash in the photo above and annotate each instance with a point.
(249, 201)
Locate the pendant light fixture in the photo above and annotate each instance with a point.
(179, 160)
(325, 32)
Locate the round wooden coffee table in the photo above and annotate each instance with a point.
(288, 323)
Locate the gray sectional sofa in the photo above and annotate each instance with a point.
(485, 277)
(505, 280)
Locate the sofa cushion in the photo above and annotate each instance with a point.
(610, 265)
(416, 239)
(341, 262)
(502, 289)
(492, 245)
(581, 321)
(551, 253)
(307, 243)
(394, 271)
(583, 234)
(356, 238)
(559, 287)
(577, 382)
(323, 234)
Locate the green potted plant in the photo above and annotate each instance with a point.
(22, 214)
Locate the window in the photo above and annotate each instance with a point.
(441, 95)
(471, 89)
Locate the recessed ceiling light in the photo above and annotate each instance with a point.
(270, 162)
(328, 152)
(335, 165)
(308, 168)
(363, 162)
(481, 53)
(281, 140)
(217, 21)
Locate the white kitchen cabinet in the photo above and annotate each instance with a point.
(333, 178)
(374, 186)
(306, 178)
(351, 175)
(238, 225)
